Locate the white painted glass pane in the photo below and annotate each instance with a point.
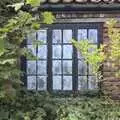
(92, 48)
(67, 82)
(67, 51)
(42, 35)
(57, 36)
(82, 34)
(92, 82)
(31, 67)
(80, 56)
(57, 83)
(31, 38)
(42, 67)
(31, 82)
(67, 36)
(56, 67)
(82, 82)
(32, 49)
(42, 52)
(82, 67)
(67, 67)
(93, 35)
(56, 51)
(42, 83)
(91, 70)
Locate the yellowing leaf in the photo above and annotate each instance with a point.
(33, 3)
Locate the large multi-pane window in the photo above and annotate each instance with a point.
(60, 66)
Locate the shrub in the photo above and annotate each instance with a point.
(36, 106)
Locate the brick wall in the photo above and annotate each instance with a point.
(111, 83)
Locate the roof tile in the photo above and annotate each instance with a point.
(79, 1)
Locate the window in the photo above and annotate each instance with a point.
(60, 67)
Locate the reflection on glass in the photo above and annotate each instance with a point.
(57, 83)
(67, 51)
(67, 36)
(42, 65)
(42, 35)
(31, 82)
(82, 82)
(67, 67)
(56, 67)
(92, 82)
(42, 52)
(31, 37)
(31, 67)
(56, 51)
(41, 85)
(93, 33)
(57, 36)
(82, 34)
(82, 68)
(67, 82)
(32, 49)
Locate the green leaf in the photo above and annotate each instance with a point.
(1, 45)
(17, 6)
(48, 17)
(33, 3)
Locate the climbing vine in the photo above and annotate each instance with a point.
(12, 35)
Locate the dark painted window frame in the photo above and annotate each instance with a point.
(74, 27)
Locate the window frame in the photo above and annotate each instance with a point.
(74, 27)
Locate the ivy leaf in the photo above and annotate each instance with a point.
(33, 3)
(10, 61)
(48, 17)
(1, 45)
(17, 6)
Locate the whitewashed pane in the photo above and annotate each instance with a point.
(57, 36)
(67, 82)
(93, 35)
(67, 36)
(56, 51)
(82, 68)
(82, 34)
(92, 48)
(42, 67)
(31, 38)
(42, 83)
(42, 35)
(82, 82)
(67, 67)
(57, 83)
(91, 70)
(80, 56)
(32, 49)
(31, 82)
(31, 67)
(42, 52)
(67, 51)
(56, 67)
(92, 82)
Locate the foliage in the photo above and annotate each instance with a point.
(35, 106)
(92, 55)
(96, 56)
(114, 44)
(12, 35)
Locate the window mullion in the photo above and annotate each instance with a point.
(49, 60)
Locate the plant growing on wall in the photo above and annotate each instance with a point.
(108, 52)
(12, 35)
